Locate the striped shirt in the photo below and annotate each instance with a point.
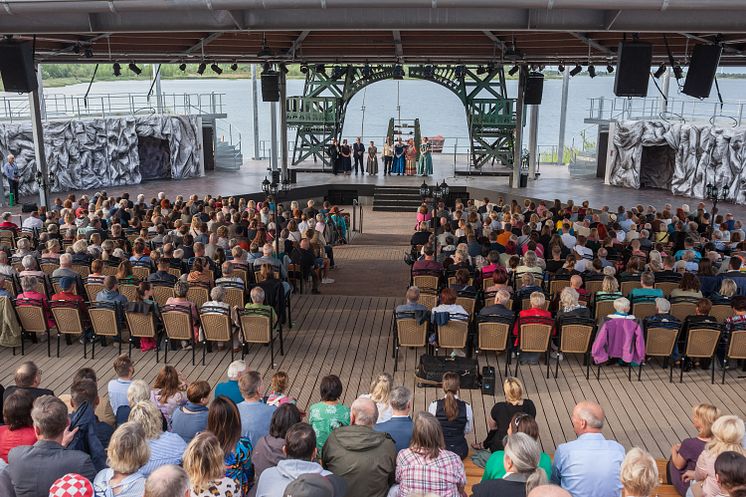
(166, 449)
(442, 476)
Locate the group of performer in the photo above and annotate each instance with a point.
(400, 158)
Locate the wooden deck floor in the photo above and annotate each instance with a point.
(351, 336)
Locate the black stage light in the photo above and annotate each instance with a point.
(481, 70)
(133, 67)
(398, 72)
(575, 70)
(182, 67)
(201, 68)
(234, 67)
(338, 72)
(88, 53)
(216, 69)
(366, 71)
(117, 69)
(561, 67)
(660, 71)
(678, 72)
(304, 69)
(513, 70)
(428, 71)
(591, 71)
(609, 68)
(76, 48)
(284, 68)
(460, 71)
(321, 68)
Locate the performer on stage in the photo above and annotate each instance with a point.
(425, 164)
(10, 171)
(411, 154)
(372, 165)
(388, 156)
(346, 154)
(399, 149)
(333, 152)
(358, 151)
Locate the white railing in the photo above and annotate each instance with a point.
(681, 110)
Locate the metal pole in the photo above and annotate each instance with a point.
(665, 89)
(158, 93)
(518, 139)
(39, 153)
(255, 112)
(42, 100)
(563, 117)
(532, 147)
(273, 134)
(283, 126)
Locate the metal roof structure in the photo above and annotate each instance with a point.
(375, 31)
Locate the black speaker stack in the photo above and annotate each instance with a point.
(702, 68)
(634, 59)
(534, 88)
(271, 86)
(17, 66)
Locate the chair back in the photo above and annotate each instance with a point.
(667, 286)
(109, 269)
(660, 341)
(702, 340)
(141, 325)
(518, 279)
(175, 271)
(68, 317)
(627, 286)
(177, 322)
(468, 303)
(575, 336)
(162, 292)
(244, 274)
(534, 334)
(643, 309)
(493, 335)
(141, 272)
(429, 298)
(58, 288)
(82, 270)
(7, 239)
(234, 295)
(104, 319)
(593, 286)
(31, 315)
(526, 304)
(199, 294)
(9, 286)
(256, 325)
(426, 281)
(682, 307)
(452, 281)
(558, 283)
(216, 323)
(453, 334)
(737, 345)
(410, 333)
(92, 289)
(603, 308)
(129, 292)
(721, 312)
(48, 266)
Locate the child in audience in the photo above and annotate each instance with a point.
(279, 385)
(168, 392)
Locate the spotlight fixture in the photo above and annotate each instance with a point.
(428, 71)
(76, 48)
(267, 67)
(591, 71)
(366, 71)
(660, 71)
(513, 70)
(575, 70)
(182, 67)
(678, 72)
(234, 66)
(321, 68)
(88, 53)
(609, 68)
(398, 72)
(460, 71)
(264, 52)
(133, 67)
(338, 72)
(117, 69)
(481, 70)
(304, 69)
(201, 68)
(561, 67)
(216, 69)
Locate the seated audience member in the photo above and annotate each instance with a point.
(500, 306)
(224, 421)
(727, 435)
(449, 306)
(128, 451)
(462, 284)
(529, 285)
(110, 294)
(639, 473)
(330, 413)
(502, 413)
(228, 277)
(688, 287)
(522, 471)
(168, 392)
(191, 418)
(380, 389)
(399, 425)
(30, 296)
(300, 459)
(138, 391)
(230, 387)
(257, 302)
(520, 423)
(364, 458)
(730, 468)
(727, 291)
(427, 264)
(412, 305)
(256, 416)
(662, 314)
(538, 310)
(549, 491)
(648, 290)
(180, 300)
(118, 387)
(162, 276)
(92, 435)
(168, 480)
(455, 415)
(217, 300)
(588, 466)
(684, 455)
(304, 257)
(426, 466)
(278, 387)
(620, 336)
(203, 463)
(609, 289)
(500, 282)
(165, 447)
(570, 306)
(269, 450)
(18, 427)
(735, 322)
(34, 468)
(27, 378)
(96, 277)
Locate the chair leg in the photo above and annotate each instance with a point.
(282, 343)
(507, 360)
(639, 373)
(546, 359)
(290, 317)
(194, 352)
(157, 352)
(23, 348)
(712, 367)
(120, 343)
(681, 374)
(272, 352)
(49, 344)
(204, 351)
(165, 350)
(395, 354)
(587, 366)
(598, 373)
(670, 369)
(556, 367)
(85, 348)
(230, 344)
(58, 345)
(517, 363)
(93, 348)
(725, 361)
(629, 372)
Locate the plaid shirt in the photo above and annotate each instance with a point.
(442, 476)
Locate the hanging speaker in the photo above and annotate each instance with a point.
(534, 89)
(634, 59)
(271, 86)
(702, 68)
(17, 66)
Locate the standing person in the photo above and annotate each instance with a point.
(358, 150)
(10, 171)
(411, 158)
(346, 154)
(372, 165)
(388, 156)
(399, 159)
(333, 152)
(455, 416)
(425, 164)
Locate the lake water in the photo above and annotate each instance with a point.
(439, 110)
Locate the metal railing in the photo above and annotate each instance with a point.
(677, 110)
(59, 106)
(234, 138)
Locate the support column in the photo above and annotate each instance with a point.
(283, 126)
(157, 88)
(39, 152)
(563, 116)
(255, 111)
(533, 148)
(42, 101)
(665, 89)
(273, 136)
(518, 138)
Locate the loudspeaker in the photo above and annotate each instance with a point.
(634, 59)
(534, 89)
(276, 177)
(270, 86)
(702, 68)
(488, 380)
(29, 207)
(17, 66)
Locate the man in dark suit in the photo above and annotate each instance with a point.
(358, 152)
(400, 425)
(34, 468)
(500, 307)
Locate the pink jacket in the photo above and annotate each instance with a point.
(619, 336)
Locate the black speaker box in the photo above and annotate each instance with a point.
(17, 66)
(29, 207)
(488, 380)
(634, 59)
(702, 68)
(534, 89)
(270, 86)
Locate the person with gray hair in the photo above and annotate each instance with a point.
(501, 307)
(30, 268)
(228, 278)
(216, 302)
(412, 305)
(258, 297)
(549, 491)
(588, 466)
(364, 458)
(662, 318)
(400, 425)
(66, 267)
(530, 264)
(522, 471)
(168, 480)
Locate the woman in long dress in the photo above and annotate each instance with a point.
(346, 153)
(411, 154)
(372, 165)
(399, 150)
(425, 164)
(333, 152)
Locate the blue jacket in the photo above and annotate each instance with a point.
(400, 429)
(86, 439)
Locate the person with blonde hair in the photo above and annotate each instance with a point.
(203, 463)
(684, 455)
(727, 435)
(455, 416)
(638, 474)
(165, 447)
(523, 474)
(126, 454)
(380, 390)
(502, 412)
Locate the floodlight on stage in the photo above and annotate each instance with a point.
(201, 68)
(561, 67)
(575, 70)
(366, 71)
(591, 71)
(284, 68)
(481, 70)
(460, 71)
(304, 69)
(88, 53)
(117, 69)
(428, 71)
(338, 72)
(133, 67)
(234, 66)
(678, 72)
(182, 67)
(398, 72)
(320, 68)
(216, 69)
(513, 70)
(609, 68)
(660, 71)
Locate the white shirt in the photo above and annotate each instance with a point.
(32, 222)
(568, 240)
(432, 408)
(384, 409)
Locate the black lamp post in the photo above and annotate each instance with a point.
(715, 194)
(272, 190)
(436, 193)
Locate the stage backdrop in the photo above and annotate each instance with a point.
(96, 153)
(703, 154)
